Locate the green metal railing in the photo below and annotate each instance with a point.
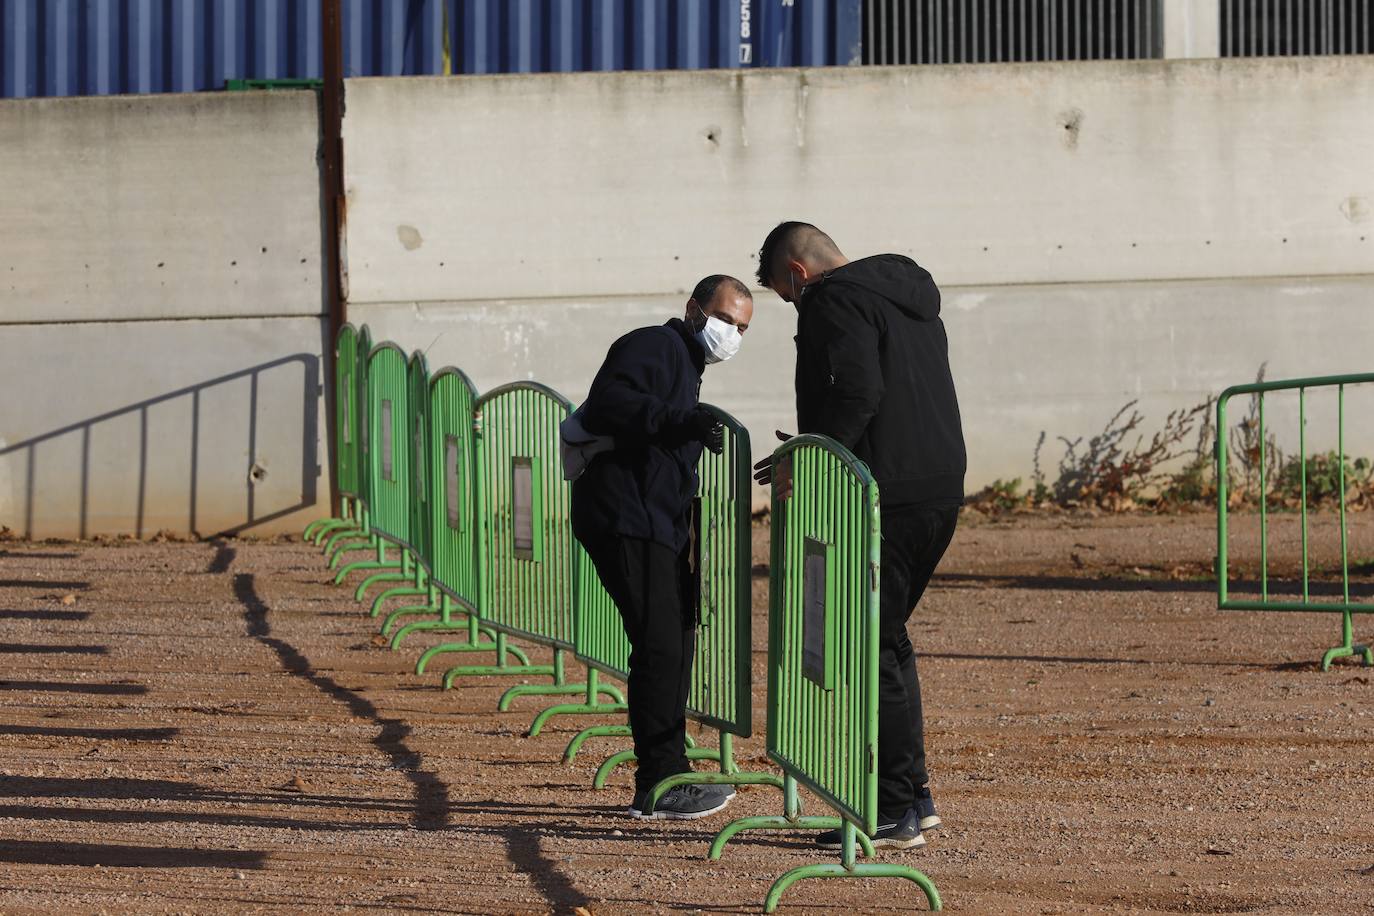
(721, 685)
(1344, 606)
(451, 542)
(346, 450)
(337, 541)
(409, 444)
(525, 547)
(823, 655)
(387, 471)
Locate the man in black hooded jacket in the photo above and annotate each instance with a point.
(631, 509)
(873, 373)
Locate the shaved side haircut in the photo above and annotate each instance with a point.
(793, 241)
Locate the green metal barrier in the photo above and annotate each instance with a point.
(823, 655)
(345, 438)
(388, 470)
(452, 544)
(721, 686)
(1345, 607)
(358, 535)
(416, 453)
(525, 556)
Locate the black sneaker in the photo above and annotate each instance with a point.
(925, 807)
(901, 834)
(683, 803)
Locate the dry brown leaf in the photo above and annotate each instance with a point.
(296, 785)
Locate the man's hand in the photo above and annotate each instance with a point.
(763, 470)
(703, 427)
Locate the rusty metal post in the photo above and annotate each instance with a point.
(331, 131)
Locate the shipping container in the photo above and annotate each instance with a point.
(103, 47)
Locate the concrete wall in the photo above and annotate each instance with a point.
(160, 315)
(1102, 232)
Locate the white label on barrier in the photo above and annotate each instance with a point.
(452, 484)
(419, 452)
(348, 408)
(387, 469)
(522, 510)
(814, 611)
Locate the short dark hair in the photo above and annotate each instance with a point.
(794, 238)
(705, 291)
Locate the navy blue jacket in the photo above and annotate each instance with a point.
(643, 394)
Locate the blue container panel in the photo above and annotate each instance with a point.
(103, 47)
(106, 47)
(539, 36)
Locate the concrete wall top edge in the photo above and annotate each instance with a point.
(1261, 67)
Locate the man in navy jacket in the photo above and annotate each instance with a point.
(873, 373)
(631, 509)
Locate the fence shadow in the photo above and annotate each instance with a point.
(207, 431)
(41, 852)
(432, 806)
(19, 648)
(98, 734)
(113, 690)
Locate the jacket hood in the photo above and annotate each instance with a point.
(896, 278)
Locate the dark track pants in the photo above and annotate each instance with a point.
(650, 585)
(914, 540)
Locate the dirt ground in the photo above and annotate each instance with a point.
(212, 727)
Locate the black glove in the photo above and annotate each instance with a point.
(763, 470)
(701, 426)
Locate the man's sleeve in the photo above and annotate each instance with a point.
(628, 396)
(843, 343)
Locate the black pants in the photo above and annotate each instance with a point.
(650, 585)
(914, 540)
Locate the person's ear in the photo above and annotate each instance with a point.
(690, 316)
(797, 267)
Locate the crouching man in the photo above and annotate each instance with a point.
(631, 509)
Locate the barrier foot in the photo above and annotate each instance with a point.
(606, 731)
(1347, 648)
(390, 573)
(596, 731)
(447, 626)
(603, 772)
(453, 674)
(344, 541)
(361, 565)
(319, 526)
(573, 709)
(318, 530)
(608, 765)
(849, 868)
(780, 822)
(411, 610)
(349, 526)
(315, 532)
(369, 543)
(399, 592)
(469, 646)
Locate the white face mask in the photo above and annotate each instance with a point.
(720, 340)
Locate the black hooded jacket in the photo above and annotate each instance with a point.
(643, 395)
(873, 373)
